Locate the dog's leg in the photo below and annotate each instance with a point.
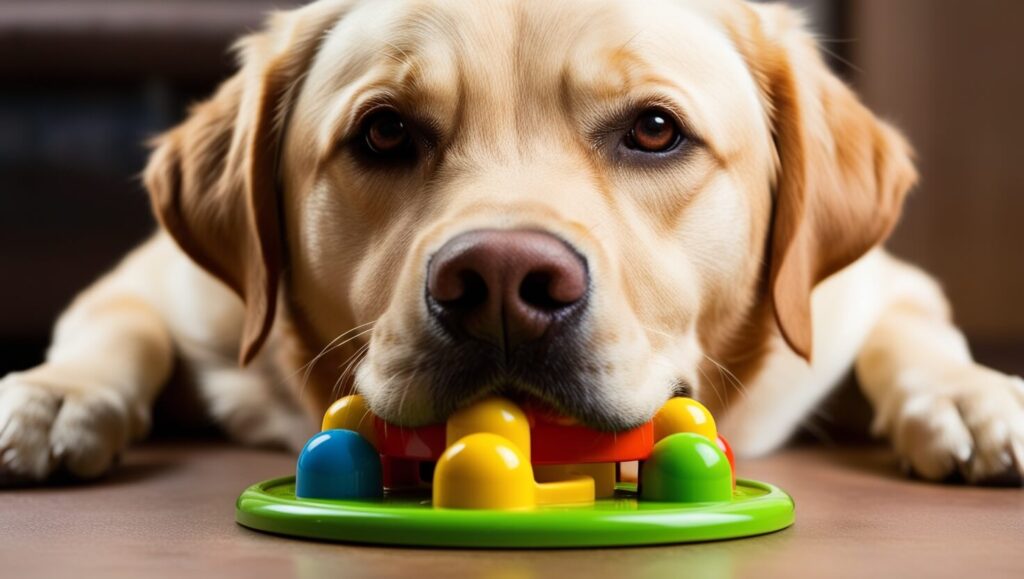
(253, 405)
(943, 412)
(770, 408)
(110, 356)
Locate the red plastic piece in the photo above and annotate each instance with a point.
(552, 443)
(423, 443)
(399, 473)
(553, 440)
(723, 444)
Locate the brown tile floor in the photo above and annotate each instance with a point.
(169, 512)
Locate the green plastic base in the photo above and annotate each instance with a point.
(756, 508)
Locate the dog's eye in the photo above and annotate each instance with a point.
(386, 134)
(653, 131)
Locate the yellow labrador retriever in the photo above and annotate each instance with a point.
(598, 204)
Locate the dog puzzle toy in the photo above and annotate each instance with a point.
(500, 475)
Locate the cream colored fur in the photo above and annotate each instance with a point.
(749, 268)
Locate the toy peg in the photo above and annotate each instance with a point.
(351, 413)
(684, 415)
(495, 415)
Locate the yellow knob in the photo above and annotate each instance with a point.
(684, 415)
(495, 415)
(351, 413)
(484, 471)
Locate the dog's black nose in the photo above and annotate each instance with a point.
(507, 287)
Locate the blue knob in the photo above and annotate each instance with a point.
(338, 464)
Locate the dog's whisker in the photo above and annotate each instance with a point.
(366, 414)
(308, 366)
(327, 349)
(405, 391)
(336, 388)
(740, 386)
(384, 388)
(714, 387)
(357, 359)
(349, 364)
(351, 339)
(355, 337)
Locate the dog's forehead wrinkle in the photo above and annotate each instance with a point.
(511, 48)
(507, 75)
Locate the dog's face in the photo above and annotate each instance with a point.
(631, 142)
(571, 201)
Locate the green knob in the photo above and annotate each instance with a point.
(686, 468)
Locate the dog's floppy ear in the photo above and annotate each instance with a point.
(842, 173)
(213, 180)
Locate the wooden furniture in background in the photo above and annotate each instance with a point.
(85, 84)
(949, 74)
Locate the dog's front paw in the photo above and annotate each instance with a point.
(45, 429)
(967, 423)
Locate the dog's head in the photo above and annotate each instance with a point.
(574, 201)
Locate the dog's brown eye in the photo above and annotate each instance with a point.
(385, 133)
(654, 131)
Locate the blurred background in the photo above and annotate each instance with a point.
(83, 83)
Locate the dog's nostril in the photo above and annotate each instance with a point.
(474, 291)
(535, 291)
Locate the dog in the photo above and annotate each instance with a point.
(584, 203)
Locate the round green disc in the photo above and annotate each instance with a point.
(755, 508)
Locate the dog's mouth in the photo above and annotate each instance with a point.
(555, 374)
(558, 376)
